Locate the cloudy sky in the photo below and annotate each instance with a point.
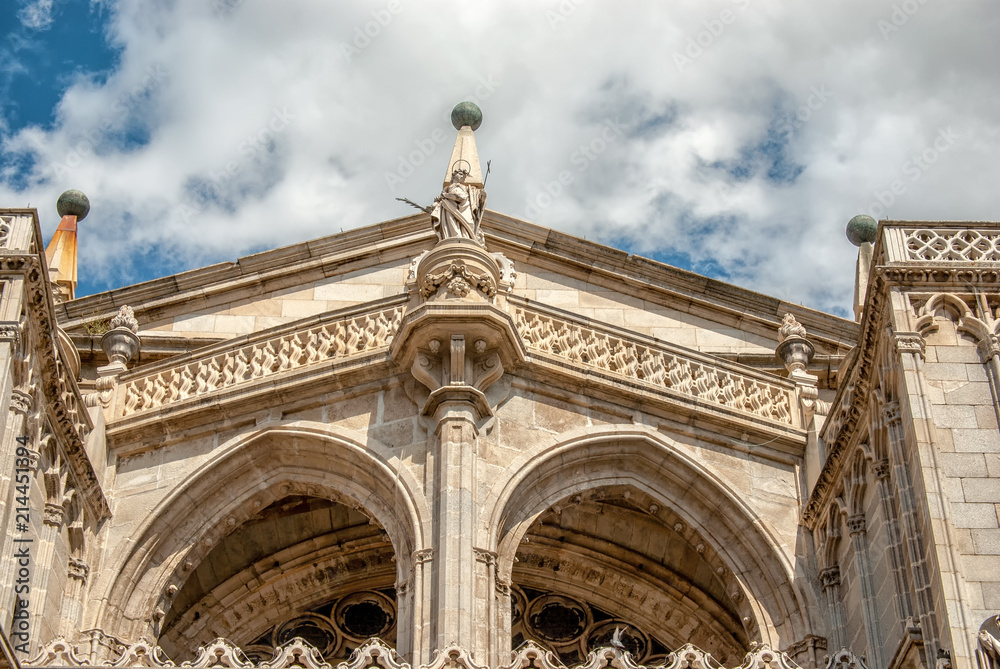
(731, 137)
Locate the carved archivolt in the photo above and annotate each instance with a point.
(653, 365)
(348, 337)
(375, 654)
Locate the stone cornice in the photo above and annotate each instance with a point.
(258, 274)
(67, 412)
(407, 237)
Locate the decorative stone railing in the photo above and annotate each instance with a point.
(375, 654)
(341, 336)
(907, 242)
(657, 365)
(336, 336)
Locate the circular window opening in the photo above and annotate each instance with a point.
(365, 619)
(556, 621)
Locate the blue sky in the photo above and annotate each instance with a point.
(731, 137)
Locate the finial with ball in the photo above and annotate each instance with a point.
(862, 231)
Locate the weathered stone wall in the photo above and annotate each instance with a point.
(386, 421)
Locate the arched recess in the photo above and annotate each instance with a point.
(760, 577)
(253, 472)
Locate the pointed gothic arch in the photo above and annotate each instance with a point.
(257, 469)
(774, 605)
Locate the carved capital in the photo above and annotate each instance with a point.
(10, 331)
(909, 342)
(857, 524)
(487, 557)
(830, 576)
(423, 555)
(891, 414)
(988, 347)
(881, 469)
(54, 515)
(78, 569)
(20, 402)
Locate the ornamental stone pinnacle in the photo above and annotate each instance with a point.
(60, 255)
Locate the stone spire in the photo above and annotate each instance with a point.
(466, 117)
(861, 230)
(73, 206)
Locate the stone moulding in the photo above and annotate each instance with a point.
(687, 374)
(333, 336)
(66, 408)
(376, 654)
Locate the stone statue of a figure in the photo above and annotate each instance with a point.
(459, 208)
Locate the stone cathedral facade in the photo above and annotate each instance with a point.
(459, 439)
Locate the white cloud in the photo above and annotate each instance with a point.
(36, 15)
(290, 117)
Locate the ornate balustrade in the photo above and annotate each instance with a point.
(937, 243)
(339, 335)
(642, 359)
(346, 335)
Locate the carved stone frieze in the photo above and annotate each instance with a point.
(458, 269)
(945, 276)
(458, 280)
(298, 653)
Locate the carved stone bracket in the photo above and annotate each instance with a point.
(454, 373)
